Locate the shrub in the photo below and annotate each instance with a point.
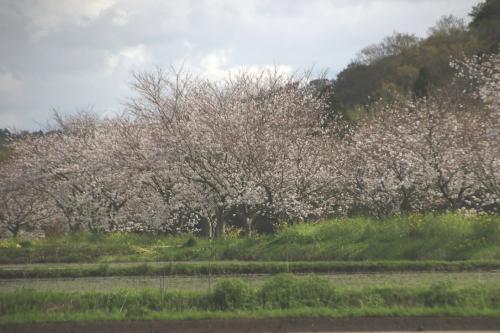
(287, 291)
(191, 242)
(233, 294)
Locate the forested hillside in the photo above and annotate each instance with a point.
(404, 64)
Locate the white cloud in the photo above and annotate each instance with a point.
(128, 58)
(217, 65)
(121, 17)
(47, 15)
(214, 64)
(9, 84)
(188, 45)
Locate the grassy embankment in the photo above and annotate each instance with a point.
(280, 296)
(447, 237)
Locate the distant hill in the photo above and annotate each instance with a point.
(403, 64)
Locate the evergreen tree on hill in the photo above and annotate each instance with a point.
(404, 65)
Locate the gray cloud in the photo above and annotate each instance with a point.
(72, 54)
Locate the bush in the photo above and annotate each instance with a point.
(191, 242)
(25, 244)
(233, 294)
(440, 293)
(287, 291)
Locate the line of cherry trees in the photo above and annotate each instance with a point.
(255, 150)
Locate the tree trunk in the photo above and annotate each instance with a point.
(220, 227)
(249, 215)
(249, 221)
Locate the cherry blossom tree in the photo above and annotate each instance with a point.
(425, 154)
(72, 166)
(190, 151)
(252, 141)
(483, 76)
(21, 208)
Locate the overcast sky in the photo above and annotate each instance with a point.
(70, 55)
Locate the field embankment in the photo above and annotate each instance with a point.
(231, 268)
(412, 237)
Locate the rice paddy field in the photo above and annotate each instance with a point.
(203, 282)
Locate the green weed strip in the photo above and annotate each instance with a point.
(284, 295)
(224, 268)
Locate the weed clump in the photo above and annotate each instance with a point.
(233, 294)
(191, 242)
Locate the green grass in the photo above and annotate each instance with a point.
(411, 237)
(201, 282)
(102, 316)
(283, 295)
(231, 267)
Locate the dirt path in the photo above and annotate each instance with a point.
(365, 324)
